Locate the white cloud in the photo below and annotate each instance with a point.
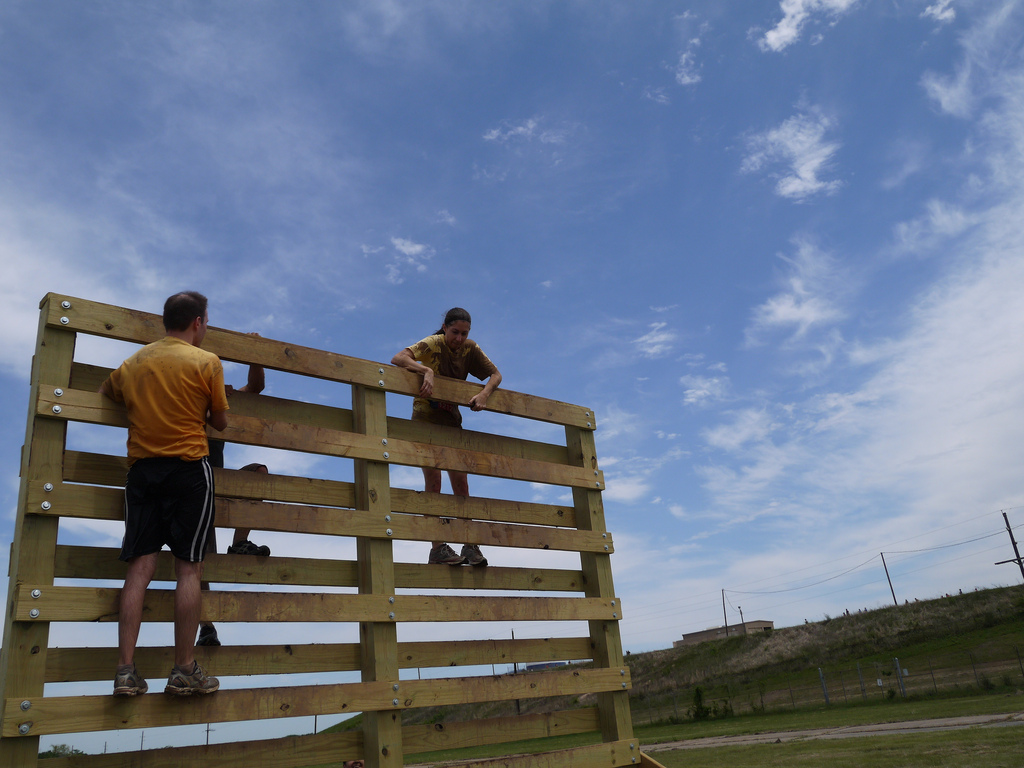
(702, 390)
(953, 94)
(444, 217)
(813, 288)
(409, 255)
(939, 222)
(747, 426)
(657, 95)
(529, 130)
(656, 342)
(687, 70)
(797, 13)
(800, 144)
(941, 10)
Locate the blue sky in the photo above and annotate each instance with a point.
(776, 247)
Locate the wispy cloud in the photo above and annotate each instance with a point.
(795, 15)
(407, 256)
(941, 10)
(801, 145)
(687, 67)
(810, 298)
(656, 342)
(532, 129)
(703, 390)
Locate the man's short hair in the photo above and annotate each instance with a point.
(182, 308)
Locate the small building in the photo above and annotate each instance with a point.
(720, 633)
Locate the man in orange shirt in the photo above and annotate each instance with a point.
(171, 390)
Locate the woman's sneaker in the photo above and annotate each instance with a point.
(444, 555)
(473, 555)
(128, 682)
(182, 683)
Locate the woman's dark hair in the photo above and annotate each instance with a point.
(182, 308)
(454, 315)
(254, 467)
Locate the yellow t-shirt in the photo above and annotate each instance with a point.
(438, 357)
(167, 388)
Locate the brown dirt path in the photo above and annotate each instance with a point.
(844, 732)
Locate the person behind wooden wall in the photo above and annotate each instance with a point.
(171, 390)
(449, 352)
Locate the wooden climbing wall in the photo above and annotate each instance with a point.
(51, 582)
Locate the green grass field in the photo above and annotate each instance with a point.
(989, 747)
(969, 748)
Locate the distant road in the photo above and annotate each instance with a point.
(845, 732)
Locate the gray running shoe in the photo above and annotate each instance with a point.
(129, 683)
(248, 548)
(473, 555)
(445, 555)
(182, 683)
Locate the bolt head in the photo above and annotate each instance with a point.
(65, 304)
(386, 455)
(26, 706)
(388, 531)
(391, 615)
(58, 392)
(47, 487)
(45, 505)
(380, 383)
(56, 409)
(64, 321)
(36, 594)
(394, 702)
(34, 613)
(24, 728)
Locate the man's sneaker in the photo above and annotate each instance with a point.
(208, 635)
(182, 683)
(129, 682)
(248, 548)
(445, 555)
(473, 555)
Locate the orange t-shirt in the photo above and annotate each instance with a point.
(167, 388)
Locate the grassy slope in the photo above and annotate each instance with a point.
(987, 623)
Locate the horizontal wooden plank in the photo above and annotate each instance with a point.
(75, 714)
(78, 562)
(81, 664)
(606, 755)
(60, 603)
(331, 748)
(89, 378)
(498, 730)
(143, 327)
(104, 503)
(95, 468)
(309, 751)
(93, 408)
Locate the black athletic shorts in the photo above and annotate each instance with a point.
(168, 501)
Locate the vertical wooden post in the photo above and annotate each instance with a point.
(597, 571)
(23, 657)
(382, 731)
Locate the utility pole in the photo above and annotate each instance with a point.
(1013, 541)
(725, 616)
(894, 601)
(742, 620)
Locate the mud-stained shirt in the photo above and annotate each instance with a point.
(443, 361)
(167, 387)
